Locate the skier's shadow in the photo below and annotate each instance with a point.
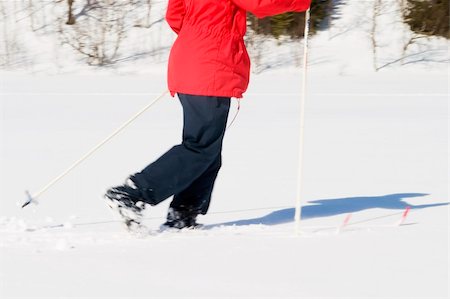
(333, 207)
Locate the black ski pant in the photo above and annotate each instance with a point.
(188, 170)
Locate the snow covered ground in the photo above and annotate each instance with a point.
(375, 143)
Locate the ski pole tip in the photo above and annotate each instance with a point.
(29, 200)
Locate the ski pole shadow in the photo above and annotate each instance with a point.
(333, 207)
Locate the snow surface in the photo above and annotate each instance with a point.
(375, 143)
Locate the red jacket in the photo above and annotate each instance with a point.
(209, 55)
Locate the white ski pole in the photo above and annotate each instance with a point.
(32, 198)
(298, 207)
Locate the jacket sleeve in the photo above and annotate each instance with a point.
(265, 8)
(175, 14)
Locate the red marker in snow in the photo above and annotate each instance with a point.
(344, 223)
(404, 215)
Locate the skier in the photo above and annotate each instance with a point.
(208, 64)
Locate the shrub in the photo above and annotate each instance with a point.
(429, 17)
(292, 23)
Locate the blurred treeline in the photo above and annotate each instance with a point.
(104, 31)
(293, 23)
(429, 17)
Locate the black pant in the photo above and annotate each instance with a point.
(188, 170)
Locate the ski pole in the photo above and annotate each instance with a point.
(32, 198)
(298, 207)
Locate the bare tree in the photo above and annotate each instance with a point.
(373, 32)
(145, 22)
(98, 30)
(10, 47)
(5, 53)
(254, 42)
(70, 18)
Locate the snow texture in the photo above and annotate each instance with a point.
(375, 143)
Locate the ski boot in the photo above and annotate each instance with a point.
(126, 201)
(179, 219)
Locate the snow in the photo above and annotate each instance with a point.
(371, 151)
(375, 143)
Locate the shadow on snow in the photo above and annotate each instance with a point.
(333, 207)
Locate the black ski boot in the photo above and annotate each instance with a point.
(180, 219)
(126, 201)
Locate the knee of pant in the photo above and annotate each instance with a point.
(206, 149)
